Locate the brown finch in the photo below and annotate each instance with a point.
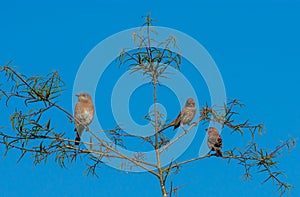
(84, 114)
(185, 117)
(214, 141)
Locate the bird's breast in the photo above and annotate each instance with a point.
(85, 117)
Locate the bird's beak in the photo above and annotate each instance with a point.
(77, 95)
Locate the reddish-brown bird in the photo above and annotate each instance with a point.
(214, 141)
(84, 114)
(185, 117)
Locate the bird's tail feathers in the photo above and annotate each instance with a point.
(77, 139)
(219, 153)
(167, 126)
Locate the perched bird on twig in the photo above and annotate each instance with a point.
(214, 141)
(84, 114)
(185, 117)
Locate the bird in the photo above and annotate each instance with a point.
(214, 141)
(83, 114)
(185, 117)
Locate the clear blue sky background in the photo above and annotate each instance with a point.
(255, 45)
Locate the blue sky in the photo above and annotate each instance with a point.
(255, 45)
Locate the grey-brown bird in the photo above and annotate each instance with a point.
(84, 114)
(214, 140)
(185, 117)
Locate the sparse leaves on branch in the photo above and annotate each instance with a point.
(31, 131)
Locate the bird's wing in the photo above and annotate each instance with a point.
(211, 141)
(78, 111)
(177, 121)
(219, 142)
